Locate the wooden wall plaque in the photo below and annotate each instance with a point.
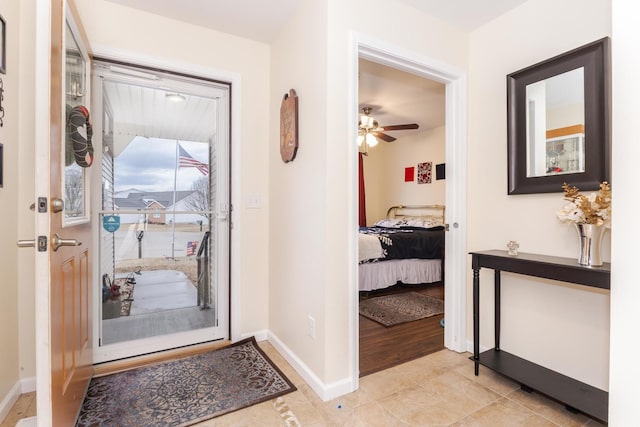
(289, 126)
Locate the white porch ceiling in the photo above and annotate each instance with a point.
(148, 112)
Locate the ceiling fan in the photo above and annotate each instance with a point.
(367, 125)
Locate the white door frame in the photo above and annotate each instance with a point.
(42, 128)
(455, 185)
(234, 308)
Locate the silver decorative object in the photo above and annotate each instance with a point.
(590, 244)
(513, 247)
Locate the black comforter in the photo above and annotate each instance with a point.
(408, 242)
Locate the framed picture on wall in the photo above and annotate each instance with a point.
(424, 173)
(3, 46)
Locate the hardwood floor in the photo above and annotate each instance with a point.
(382, 348)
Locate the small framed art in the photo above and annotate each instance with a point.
(424, 173)
(3, 46)
(289, 126)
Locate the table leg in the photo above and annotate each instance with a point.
(476, 319)
(497, 309)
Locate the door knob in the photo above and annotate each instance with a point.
(57, 205)
(57, 242)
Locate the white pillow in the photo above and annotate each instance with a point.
(391, 223)
(424, 222)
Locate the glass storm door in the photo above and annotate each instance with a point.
(163, 210)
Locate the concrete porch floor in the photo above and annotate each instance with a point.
(164, 302)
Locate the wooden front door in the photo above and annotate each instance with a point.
(63, 332)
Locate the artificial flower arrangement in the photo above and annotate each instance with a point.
(594, 208)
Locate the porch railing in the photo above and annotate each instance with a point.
(202, 259)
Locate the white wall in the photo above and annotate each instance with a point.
(406, 32)
(9, 206)
(26, 176)
(313, 216)
(145, 35)
(384, 173)
(297, 222)
(625, 292)
(560, 326)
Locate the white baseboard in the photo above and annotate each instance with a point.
(25, 385)
(9, 400)
(470, 347)
(27, 422)
(326, 392)
(259, 335)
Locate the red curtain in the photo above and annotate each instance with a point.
(362, 213)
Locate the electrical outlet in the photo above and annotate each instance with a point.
(311, 327)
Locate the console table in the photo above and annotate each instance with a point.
(576, 395)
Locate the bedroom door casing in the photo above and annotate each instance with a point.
(455, 81)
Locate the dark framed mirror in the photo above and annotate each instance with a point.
(558, 122)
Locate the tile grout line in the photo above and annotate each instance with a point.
(528, 408)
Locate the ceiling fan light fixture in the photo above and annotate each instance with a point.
(360, 140)
(367, 122)
(371, 140)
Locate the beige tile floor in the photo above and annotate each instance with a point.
(435, 390)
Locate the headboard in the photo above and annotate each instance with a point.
(435, 212)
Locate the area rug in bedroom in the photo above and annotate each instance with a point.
(185, 391)
(390, 310)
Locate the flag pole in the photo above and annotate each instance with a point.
(175, 184)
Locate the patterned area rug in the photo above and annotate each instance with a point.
(390, 310)
(186, 391)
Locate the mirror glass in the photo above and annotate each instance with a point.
(555, 125)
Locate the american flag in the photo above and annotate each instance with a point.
(191, 248)
(186, 161)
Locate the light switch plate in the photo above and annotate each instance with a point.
(254, 201)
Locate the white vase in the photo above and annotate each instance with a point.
(590, 236)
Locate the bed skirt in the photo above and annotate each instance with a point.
(378, 275)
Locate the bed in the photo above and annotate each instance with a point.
(407, 246)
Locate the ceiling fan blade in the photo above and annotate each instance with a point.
(383, 136)
(401, 127)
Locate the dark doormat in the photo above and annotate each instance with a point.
(186, 391)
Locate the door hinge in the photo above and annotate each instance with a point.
(42, 243)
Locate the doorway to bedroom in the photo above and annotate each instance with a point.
(401, 286)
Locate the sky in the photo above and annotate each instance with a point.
(148, 164)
